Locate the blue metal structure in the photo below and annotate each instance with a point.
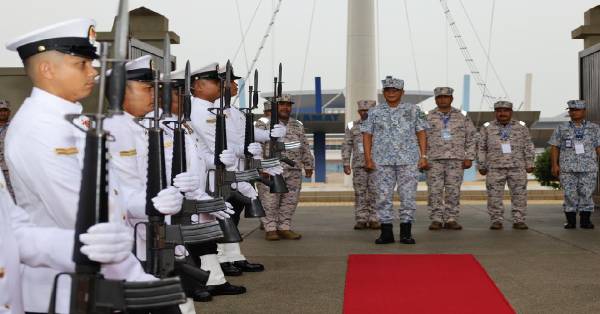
(319, 137)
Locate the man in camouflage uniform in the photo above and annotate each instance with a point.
(280, 207)
(364, 191)
(575, 146)
(506, 154)
(4, 120)
(395, 143)
(451, 149)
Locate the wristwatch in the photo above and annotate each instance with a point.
(424, 157)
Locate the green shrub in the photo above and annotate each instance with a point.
(543, 171)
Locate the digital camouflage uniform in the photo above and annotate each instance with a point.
(395, 152)
(353, 154)
(451, 138)
(280, 207)
(506, 167)
(578, 170)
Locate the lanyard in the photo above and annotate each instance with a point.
(579, 132)
(445, 119)
(505, 132)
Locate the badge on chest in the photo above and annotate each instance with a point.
(506, 149)
(446, 135)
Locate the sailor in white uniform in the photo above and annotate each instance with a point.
(44, 152)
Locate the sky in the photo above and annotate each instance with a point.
(532, 36)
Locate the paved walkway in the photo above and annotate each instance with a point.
(546, 269)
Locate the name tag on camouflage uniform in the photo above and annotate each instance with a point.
(568, 143)
(446, 135)
(579, 148)
(506, 149)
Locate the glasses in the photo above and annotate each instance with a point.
(574, 109)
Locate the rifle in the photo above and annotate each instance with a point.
(91, 293)
(161, 238)
(179, 164)
(166, 83)
(223, 177)
(278, 184)
(256, 210)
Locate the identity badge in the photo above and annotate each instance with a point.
(506, 148)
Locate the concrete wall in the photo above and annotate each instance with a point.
(590, 30)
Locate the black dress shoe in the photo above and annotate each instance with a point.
(230, 270)
(225, 289)
(200, 294)
(246, 266)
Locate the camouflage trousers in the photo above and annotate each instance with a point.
(578, 188)
(364, 195)
(386, 180)
(443, 181)
(495, 181)
(280, 207)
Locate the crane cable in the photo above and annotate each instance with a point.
(489, 49)
(379, 60)
(262, 44)
(412, 45)
(243, 33)
(308, 39)
(485, 52)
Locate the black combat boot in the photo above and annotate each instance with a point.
(584, 220)
(405, 233)
(387, 234)
(571, 220)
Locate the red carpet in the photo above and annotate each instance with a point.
(420, 284)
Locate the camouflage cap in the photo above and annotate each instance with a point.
(443, 91)
(4, 104)
(365, 104)
(285, 98)
(503, 104)
(390, 82)
(267, 105)
(576, 104)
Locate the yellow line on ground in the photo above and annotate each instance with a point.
(467, 202)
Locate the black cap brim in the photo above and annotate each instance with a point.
(77, 46)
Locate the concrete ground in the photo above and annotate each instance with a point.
(545, 269)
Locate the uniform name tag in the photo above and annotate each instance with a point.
(568, 143)
(446, 135)
(128, 153)
(579, 148)
(66, 151)
(506, 148)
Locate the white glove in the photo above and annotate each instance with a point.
(107, 242)
(223, 214)
(197, 194)
(256, 150)
(229, 158)
(181, 252)
(273, 170)
(279, 130)
(186, 182)
(246, 189)
(168, 201)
